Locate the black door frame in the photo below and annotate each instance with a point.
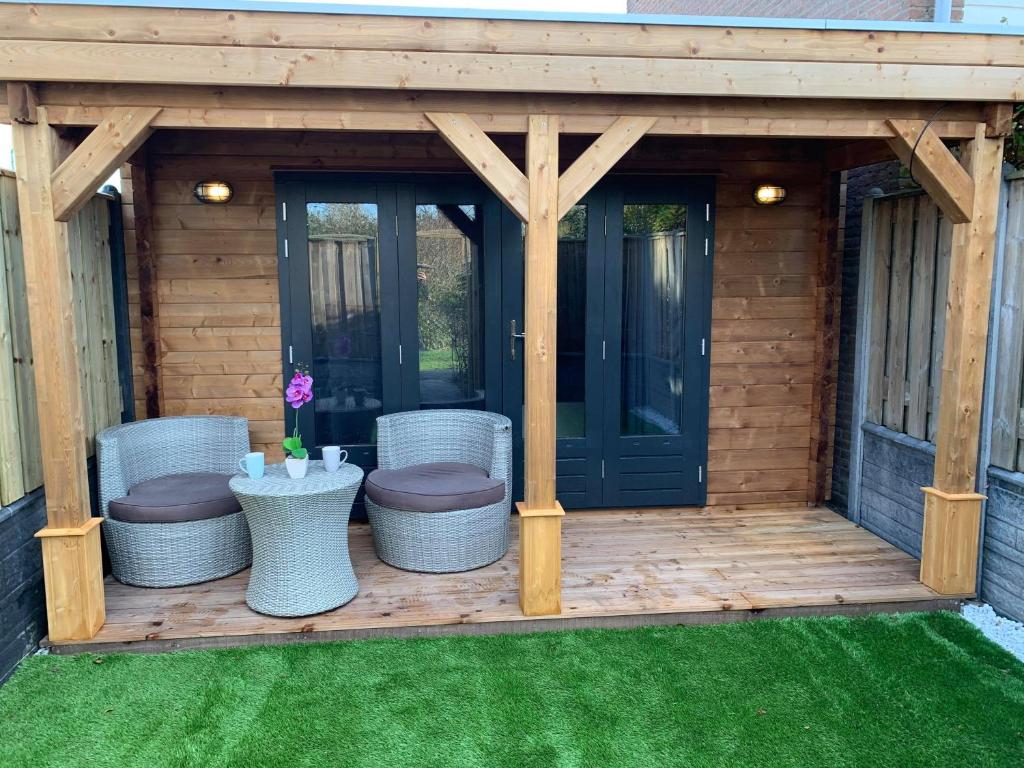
(661, 470)
(580, 467)
(587, 470)
(396, 196)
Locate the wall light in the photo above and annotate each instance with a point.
(214, 192)
(769, 194)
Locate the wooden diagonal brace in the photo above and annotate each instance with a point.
(590, 167)
(485, 157)
(935, 167)
(109, 145)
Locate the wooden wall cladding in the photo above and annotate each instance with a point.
(218, 289)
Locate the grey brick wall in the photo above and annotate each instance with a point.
(877, 10)
(895, 468)
(1002, 582)
(22, 600)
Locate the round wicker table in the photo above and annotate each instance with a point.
(299, 528)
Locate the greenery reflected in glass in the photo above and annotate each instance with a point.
(449, 278)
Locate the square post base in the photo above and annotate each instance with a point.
(540, 560)
(949, 544)
(73, 573)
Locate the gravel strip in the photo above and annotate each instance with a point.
(1000, 630)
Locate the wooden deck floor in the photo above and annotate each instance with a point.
(621, 568)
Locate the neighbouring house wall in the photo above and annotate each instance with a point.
(878, 10)
(220, 345)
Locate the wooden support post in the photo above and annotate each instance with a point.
(949, 549)
(149, 299)
(540, 515)
(540, 198)
(71, 539)
(826, 345)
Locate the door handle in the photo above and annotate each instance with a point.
(512, 339)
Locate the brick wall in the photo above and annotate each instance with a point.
(876, 10)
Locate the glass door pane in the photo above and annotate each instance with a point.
(572, 324)
(345, 308)
(653, 319)
(449, 288)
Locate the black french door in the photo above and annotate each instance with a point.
(634, 298)
(390, 296)
(406, 292)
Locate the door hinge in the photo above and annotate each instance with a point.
(700, 473)
(606, 225)
(707, 212)
(286, 247)
(707, 246)
(604, 349)
(284, 211)
(399, 354)
(396, 225)
(602, 469)
(290, 358)
(703, 347)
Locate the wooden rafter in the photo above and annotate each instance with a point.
(486, 159)
(598, 159)
(22, 101)
(631, 38)
(91, 62)
(105, 149)
(950, 540)
(403, 110)
(935, 167)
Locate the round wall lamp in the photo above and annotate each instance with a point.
(769, 194)
(213, 192)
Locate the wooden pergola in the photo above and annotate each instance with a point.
(114, 75)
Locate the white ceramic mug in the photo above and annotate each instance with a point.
(252, 465)
(333, 457)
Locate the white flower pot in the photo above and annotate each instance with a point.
(296, 467)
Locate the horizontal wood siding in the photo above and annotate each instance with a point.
(218, 289)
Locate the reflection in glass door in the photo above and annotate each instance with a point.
(449, 282)
(344, 296)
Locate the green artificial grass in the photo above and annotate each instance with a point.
(910, 690)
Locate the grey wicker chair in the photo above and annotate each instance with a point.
(443, 542)
(172, 554)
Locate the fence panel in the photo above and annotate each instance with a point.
(1008, 405)
(912, 242)
(88, 235)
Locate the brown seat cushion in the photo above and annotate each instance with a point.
(177, 499)
(440, 487)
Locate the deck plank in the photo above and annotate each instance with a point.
(621, 567)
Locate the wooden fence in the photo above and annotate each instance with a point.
(909, 242)
(88, 232)
(906, 247)
(1008, 395)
